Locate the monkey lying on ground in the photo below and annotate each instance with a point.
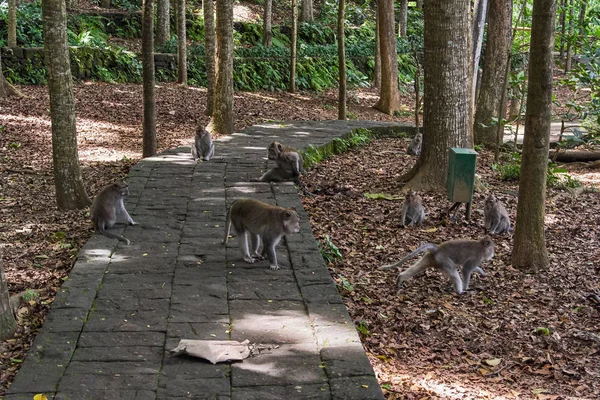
(203, 146)
(414, 148)
(413, 212)
(264, 223)
(445, 257)
(495, 216)
(106, 207)
(289, 164)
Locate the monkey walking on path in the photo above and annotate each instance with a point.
(446, 257)
(107, 205)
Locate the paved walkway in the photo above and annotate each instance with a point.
(114, 320)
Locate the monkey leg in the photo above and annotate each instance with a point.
(415, 269)
(269, 248)
(449, 269)
(244, 247)
(467, 271)
(255, 245)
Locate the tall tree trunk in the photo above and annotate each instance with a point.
(529, 250)
(8, 325)
(149, 123)
(377, 61)
(403, 21)
(563, 26)
(341, 60)
(389, 95)
(221, 121)
(569, 55)
(420, 4)
(163, 22)
(208, 9)
(12, 23)
(105, 3)
(480, 12)
(267, 29)
(181, 44)
(292, 88)
(70, 192)
(497, 52)
(307, 11)
(446, 92)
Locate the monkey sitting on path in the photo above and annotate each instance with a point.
(107, 205)
(445, 257)
(265, 223)
(413, 212)
(203, 146)
(288, 164)
(496, 218)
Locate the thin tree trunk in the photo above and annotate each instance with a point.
(420, 4)
(182, 44)
(569, 55)
(478, 28)
(163, 22)
(12, 23)
(267, 28)
(149, 123)
(403, 18)
(389, 95)
(221, 121)
(563, 27)
(341, 60)
(377, 61)
(307, 11)
(70, 192)
(529, 245)
(292, 88)
(208, 9)
(8, 324)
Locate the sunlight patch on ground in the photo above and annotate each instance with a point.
(92, 126)
(106, 155)
(243, 13)
(260, 96)
(22, 119)
(451, 390)
(587, 178)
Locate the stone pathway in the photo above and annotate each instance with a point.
(111, 327)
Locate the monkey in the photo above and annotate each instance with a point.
(445, 257)
(203, 146)
(496, 219)
(288, 164)
(265, 223)
(412, 209)
(107, 205)
(414, 148)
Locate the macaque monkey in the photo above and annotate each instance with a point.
(289, 164)
(203, 146)
(495, 216)
(414, 148)
(264, 223)
(413, 212)
(107, 205)
(445, 257)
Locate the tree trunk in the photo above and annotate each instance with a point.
(6, 89)
(208, 9)
(403, 18)
(267, 29)
(529, 251)
(105, 3)
(293, 45)
(420, 4)
(149, 123)
(8, 325)
(480, 12)
(563, 27)
(163, 22)
(446, 92)
(341, 60)
(181, 44)
(495, 61)
(307, 11)
(389, 95)
(70, 192)
(569, 54)
(377, 61)
(12, 23)
(221, 121)
(515, 103)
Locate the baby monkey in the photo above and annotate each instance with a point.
(495, 216)
(107, 205)
(445, 257)
(263, 222)
(414, 148)
(413, 212)
(203, 146)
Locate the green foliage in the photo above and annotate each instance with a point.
(345, 284)
(29, 26)
(130, 5)
(555, 176)
(329, 251)
(313, 155)
(29, 295)
(363, 328)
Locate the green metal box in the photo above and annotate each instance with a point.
(461, 174)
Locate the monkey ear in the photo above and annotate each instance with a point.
(287, 215)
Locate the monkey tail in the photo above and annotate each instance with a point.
(427, 246)
(227, 225)
(112, 235)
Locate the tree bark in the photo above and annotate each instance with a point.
(8, 324)
(529, 251)
(377, 61)
(208, 9)
(307, 11)
(389, 95)
(446, 92)
(181, 44)
(478, 28)
(563, 27)
(12, 23)
(267, 28)
(292, 88)
(569, 54)
(497, 51)
(221, 121)
(70, 192)
(149, 122)
(403, 21)
(163, 22)
(341, 60)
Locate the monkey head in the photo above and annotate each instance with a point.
(121, 187)
(291, 221)
(490, 202)
(274, 150)
(488, 247)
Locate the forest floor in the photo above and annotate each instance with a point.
(423, 342)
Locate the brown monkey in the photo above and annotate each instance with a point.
(414, 148)
(413, 212)
(289, 164)
(107, 205)
(264, 223)
(445, 257)
(203, 146)
(496, 218)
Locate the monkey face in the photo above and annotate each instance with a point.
(291, 221)
(122, 188)
(274, 150)
(488, 245)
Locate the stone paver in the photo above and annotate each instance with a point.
(122, 308)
